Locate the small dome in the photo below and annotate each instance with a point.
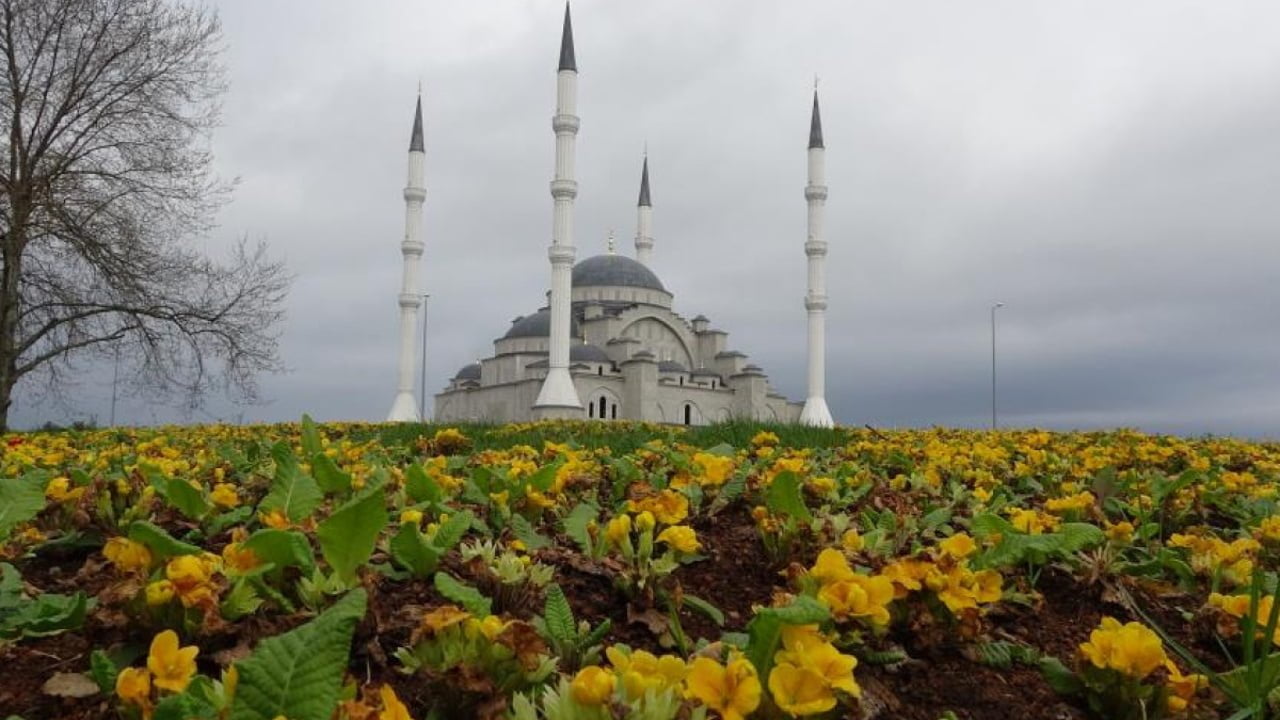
(588, 353)
(671, 366)
(468, 372)
(537, 325)
(614, 270)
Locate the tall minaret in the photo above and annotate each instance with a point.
(405, 408)
(815, 301)
(558, 397)
(644, 218)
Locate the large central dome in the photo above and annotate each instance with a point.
(614, 271)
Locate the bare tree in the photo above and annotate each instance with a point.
(107, 186)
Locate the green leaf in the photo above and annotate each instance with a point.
(46, 614)
(292, 491)
(932, 520)
(471, 599)
(544, 477)
(559, 618)
(20, 500)
(348, 536)
(299, 674)
(410, 550)
(311, 443)
(452, 531)
(705, 608)
(524, 532)
(240, 601)
(103, 671)
(330, 479)
(1078, 536)
(188, 500)
(420, 486)
(575, 525)
(783, 496)
(1059, 677)
(282, 548)
(723, 450)
(160, 542)
(765, 629)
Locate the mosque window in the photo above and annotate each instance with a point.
(688, 414)
(613, 412)
(602, 406)
(591, 410)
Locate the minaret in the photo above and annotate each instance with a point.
(405, 408)
(644, 218)
(815, 410)
(558, 397)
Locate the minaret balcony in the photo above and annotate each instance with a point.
(561, 188)
(563, 123)
(815, 192)
(415, 194)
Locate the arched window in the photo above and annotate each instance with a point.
(688, 414)
(591, 410)
(602, 406)
(599, 369)
(614, 412)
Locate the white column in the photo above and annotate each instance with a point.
(558, 396)
(405, 407)
(644, 220)
(815, 410)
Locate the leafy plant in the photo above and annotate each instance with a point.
(420, 553)
(45, 614)
(348, 536)
(574, 642)
(20, 500)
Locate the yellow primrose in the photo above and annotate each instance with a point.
(127, 555)
(714, 469)
(172, 666)
(1120, 533)
(958, 546)
(800, 691)
(668, 506)
(275, 519)
(133, 685)
(733, 690)
(443, 617)
(1182, 688)
(239, 559)
(592, 685)
(1269, 529)
(680, 538)
(831, 566)
(645, 521)
(224, 495)
(641, 671)
(59, 490)
(392, 708)
(851, 541)
(411, 516)
(159, 592)
(618, 529)
(859, 597)
(1131, 649)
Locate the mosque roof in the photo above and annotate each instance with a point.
(614, 270)
(671, 366)
(468, 372)
(537, 325)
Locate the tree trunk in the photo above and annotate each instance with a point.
(9, 303)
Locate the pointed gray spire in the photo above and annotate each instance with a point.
(815, 124)
(415, 139)
(567, 61)
(644, 185)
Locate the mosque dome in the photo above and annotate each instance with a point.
(614, 271)
(537, 325)
(469, 372)
(588, 353)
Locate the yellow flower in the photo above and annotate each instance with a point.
(716, 469)
(982, 494)
(59, 490)
(172, 666)
(907, 575)
(830, 567)
(392, 708)
(593, 685)
(224, 495)
(851, 541)
(645, 521)
(958, 546)
(411, 516)
(275, 519)
(239, 559)
(133, 685)
(618, 529)
(1120, 533)
(641, 671)
(800, 691)
(1131, 649)
(159, 592)
(1182, 688)
(681, 538)
(127, 555)
(490, 627)
(860, 596)
(1269, 529)
(668, 507)
(732, 690)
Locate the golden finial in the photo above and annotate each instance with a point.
(610, 241)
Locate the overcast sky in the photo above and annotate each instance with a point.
(1110, 171)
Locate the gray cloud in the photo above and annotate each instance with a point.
(1109, 171)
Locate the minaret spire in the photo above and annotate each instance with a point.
(558, 397)
(405, 407)
(644, 218)
(815, 410)
(567, 60)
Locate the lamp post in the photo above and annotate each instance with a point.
(422, 380)
(993, 363)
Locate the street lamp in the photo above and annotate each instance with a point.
(993, 363)
(422, 381)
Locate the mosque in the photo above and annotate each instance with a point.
(609, 345)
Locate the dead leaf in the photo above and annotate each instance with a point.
(70, 685)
